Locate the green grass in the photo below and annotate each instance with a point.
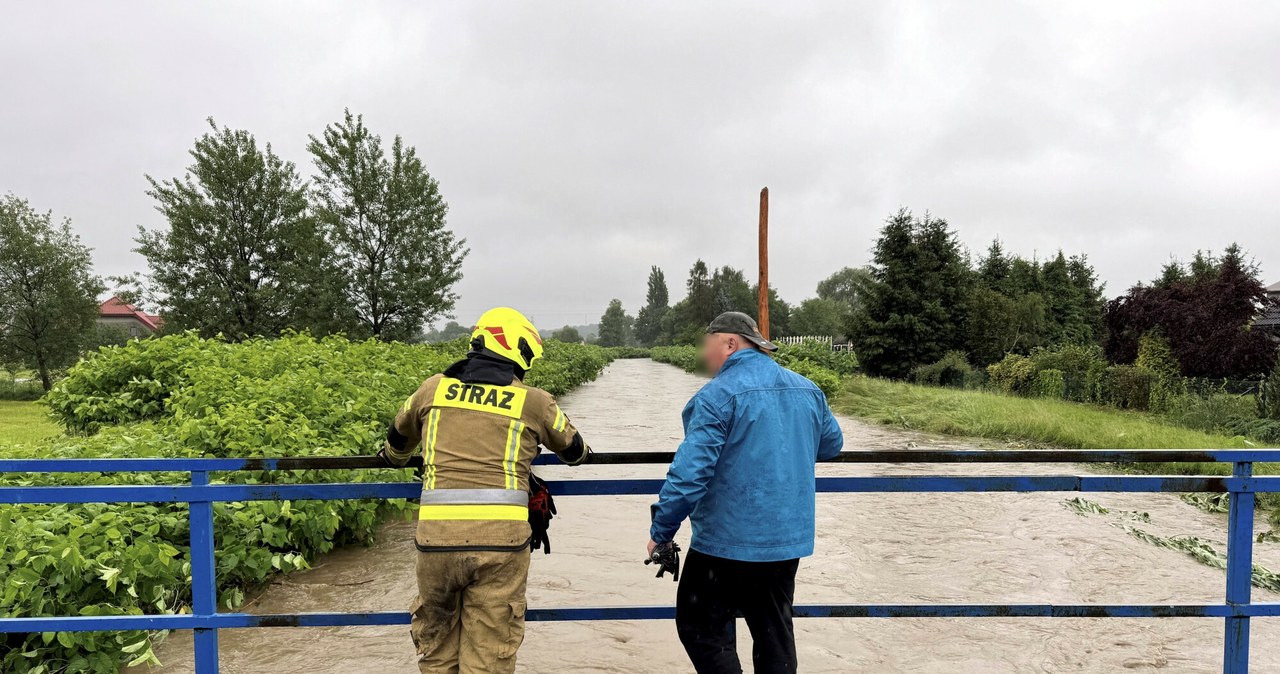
(992, 415)
(1036, 421)
(24, 423)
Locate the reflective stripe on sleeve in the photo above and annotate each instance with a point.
(474, 512)
(514, 431)
(433, 426)
(561, 420)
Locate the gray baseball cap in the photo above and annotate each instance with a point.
(738, 323)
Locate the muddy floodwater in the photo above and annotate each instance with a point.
(903, 548)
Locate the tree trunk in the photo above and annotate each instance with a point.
(45, 379)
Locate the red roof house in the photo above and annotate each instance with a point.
(118, 313)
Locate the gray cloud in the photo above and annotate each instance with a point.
(579, 143)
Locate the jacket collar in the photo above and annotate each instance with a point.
(741, 356)
(478, 368)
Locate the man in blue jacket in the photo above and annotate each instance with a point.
(744, 476)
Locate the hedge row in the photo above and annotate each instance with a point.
(814, 360)
(181, 396)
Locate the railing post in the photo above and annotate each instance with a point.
(1239, 573)
(204, 583)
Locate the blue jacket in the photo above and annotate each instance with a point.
(744, 475)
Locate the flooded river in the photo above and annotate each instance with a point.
(905, 548)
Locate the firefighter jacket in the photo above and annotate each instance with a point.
(479, 427)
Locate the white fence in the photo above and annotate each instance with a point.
(827, 340)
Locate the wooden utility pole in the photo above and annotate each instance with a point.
(764, 263)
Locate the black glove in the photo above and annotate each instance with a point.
(542, 508)
(667, 557)
(382, 454)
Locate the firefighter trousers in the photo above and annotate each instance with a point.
(468, 617)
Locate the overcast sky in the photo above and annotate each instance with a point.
(579, 143)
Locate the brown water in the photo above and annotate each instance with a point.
(906, 548)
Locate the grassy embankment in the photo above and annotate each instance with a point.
(24, 423)
(1035, 421)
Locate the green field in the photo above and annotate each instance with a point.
(24, 423)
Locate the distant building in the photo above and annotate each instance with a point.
(1270, 320)
(138, 323)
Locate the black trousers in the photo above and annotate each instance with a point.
(713, 591)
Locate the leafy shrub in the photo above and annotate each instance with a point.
(685, 357)
(1050, 384)
(825, 379)
(1129, 387)
(842, 363)
(1014, 374)
(627, 352)
(1083, 369)
(952, 370)
(818, 369)
(180, 396)
(1269, 396)
(1155, 356)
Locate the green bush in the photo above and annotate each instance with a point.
(952, 370)
(180, 396)
(1269, 396)
(627, 352)
(1050, 384)
(1129, 387)
(684, 357)
(820, 366)
(1014, 374)
(1083, 369)
(1155, 356)
(842, 363)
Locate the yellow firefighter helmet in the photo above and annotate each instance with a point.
(505, 332)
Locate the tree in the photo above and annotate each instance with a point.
(648, 330)
(241, 255)
(386, 219)
(1207, 318)
(914, 311)
(451, 331)
(819, 317)
(847, 286)
(615, 326)
(48, 293)
(1017, 304)
(996, 324)
(779, 311)
(700, 299)
(688, 319)
(995, 268)
(567, 334)
(733, 292)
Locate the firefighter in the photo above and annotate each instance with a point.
(482, 510)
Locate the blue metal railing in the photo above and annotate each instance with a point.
(201, 494)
